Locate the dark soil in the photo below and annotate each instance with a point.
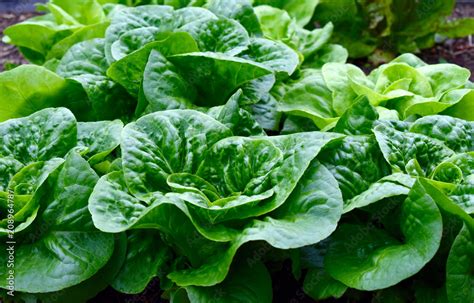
(457, 51)
(9, 55)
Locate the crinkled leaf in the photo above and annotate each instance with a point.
(41, 136)
(401, 147)
(356, 162)
(166, 142)
(273, 55)
(164, 87)
(359, 119)
(219, 35)
(240, 10)
(100, 138)
(102, 91)
(457, 134)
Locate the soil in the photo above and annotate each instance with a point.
(9, 55)
(457, 51)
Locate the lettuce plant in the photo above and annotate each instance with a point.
(391, 27)
(183, 168)
(391, 215)
(176, 58)
(47, 179)
(404, 88)
(49, 36)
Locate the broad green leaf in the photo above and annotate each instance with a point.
(37, 35)
(266, 114)
(273, 55)
(358, 119)
(416, 105)
(219, 35)
(192, 20)
(44, 135)
(319, 285)
(100, 138)
(240, 10)
(356, 162)
(257, 89)
(447, 204)
(129, 71)
(145, 256)
(379, 262)
(29, 88)
(107, 99)
(464, 109)
(23, 186)
(91, 287)
(240, 165)
(337, 80)
(309, 97)
(301, 10)
(390, 186)
(457, 134)
(84, 12)
(309, 42)
(445, 77)
(88, 32)
(217, 76)
(164, 87)
(238, 120)
(413, 80)
(128, 19)
(331, 53)
(275, 23)
(459, 268)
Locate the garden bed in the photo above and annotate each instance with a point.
(375, 133)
